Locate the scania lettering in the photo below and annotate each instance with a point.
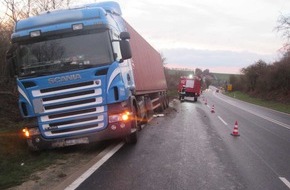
(75, 77)
(64, 78)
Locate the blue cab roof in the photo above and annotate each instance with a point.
(88, 14)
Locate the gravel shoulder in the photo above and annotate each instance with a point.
(63, 170)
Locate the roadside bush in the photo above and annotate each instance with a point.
(267, 81)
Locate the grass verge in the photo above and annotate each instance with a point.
(268, 104)
(17, 163)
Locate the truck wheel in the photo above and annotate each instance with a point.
(145, 119)
(166, 101)
(31, 146)
(160, 109)
(132, 138)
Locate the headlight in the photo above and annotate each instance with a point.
(28, 132)
(119, 117)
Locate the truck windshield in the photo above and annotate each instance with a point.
(64, 54)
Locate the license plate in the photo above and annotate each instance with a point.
(84, 140)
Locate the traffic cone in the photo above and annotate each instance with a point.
(236, 130)
(212, 109)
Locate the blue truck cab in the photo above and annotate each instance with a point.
(74, 76)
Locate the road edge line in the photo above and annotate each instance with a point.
(286, 126)
(92, 169)
(285, 181)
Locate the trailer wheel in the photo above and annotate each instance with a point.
(160, 109)
(145, 119)
(166, 101)
(132, 138)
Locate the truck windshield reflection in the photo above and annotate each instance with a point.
(64, 54)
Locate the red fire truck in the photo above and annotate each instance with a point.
(189, 87)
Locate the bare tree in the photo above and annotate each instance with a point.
(198, 72)
(163, 59)
(284, 27)
(19, 9)
(46, 5)
(16, 10)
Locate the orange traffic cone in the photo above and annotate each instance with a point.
(236, 130)
(212, 109)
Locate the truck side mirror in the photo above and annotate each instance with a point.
(125, 49)
(125, 35)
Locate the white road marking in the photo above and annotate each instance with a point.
(287, 183)
(90, 171)
(261, 116)
(284, 180)
(222, 120)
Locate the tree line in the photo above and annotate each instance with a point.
(268, 80)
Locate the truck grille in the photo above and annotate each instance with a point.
(70, 110)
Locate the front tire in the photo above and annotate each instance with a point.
(31, 146)
(132, 138)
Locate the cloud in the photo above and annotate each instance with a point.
(215, 61)
(222, 36)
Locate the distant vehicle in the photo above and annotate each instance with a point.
(77, 82)
(189, 87)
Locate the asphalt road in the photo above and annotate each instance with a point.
(191, 148)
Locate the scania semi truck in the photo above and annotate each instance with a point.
(84, 75)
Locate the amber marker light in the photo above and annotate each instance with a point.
(119, 117)
(26, 132)
(125, 116)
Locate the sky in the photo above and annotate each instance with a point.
(223, 36)
(220, 35)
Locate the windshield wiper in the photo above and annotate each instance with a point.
(37, 74)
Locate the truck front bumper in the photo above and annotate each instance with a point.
(113, 131)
